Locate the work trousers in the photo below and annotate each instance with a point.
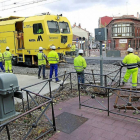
(43, 71)
(8, 66)
(1, 66)
(54, 67)
(81, 77)
(134, 73)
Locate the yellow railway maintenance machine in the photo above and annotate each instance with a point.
(24, 36)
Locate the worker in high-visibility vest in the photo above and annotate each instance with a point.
(53, 60)
(41, 63)
(8, 60)
(131, 61)
(1, 64)
(40, 31)
(79, 65)
(73, 50)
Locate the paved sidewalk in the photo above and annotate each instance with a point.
(99, 126)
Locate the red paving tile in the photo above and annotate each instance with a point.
(108, 127)
(118, 123)
(133, 135)
(131, 126)
(109, 135)
(97, 131)
(99, 126)
(120, 137)
(121, 131)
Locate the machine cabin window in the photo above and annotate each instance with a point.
(64, 27)
(37, 28)
(53, 27)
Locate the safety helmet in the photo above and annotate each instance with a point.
(40, 48)
(7, 48)
(130, 50)
(80, 51)
(53, 47)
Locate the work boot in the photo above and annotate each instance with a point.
(58, 81)
(45, 78)
(122, 84)
(39, 77)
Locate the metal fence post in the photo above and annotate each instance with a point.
(105, 83)
(8, 134)
(53, 118)
(93, 76)
(120, 76)
(70, 82)
(79, 96)
(108, 100)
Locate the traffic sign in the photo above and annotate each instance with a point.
(109, 41)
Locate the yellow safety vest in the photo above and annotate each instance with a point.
(80, 63)
(40, 31)
(53, 57)
(73, 48)
(41, 59)
(131, 60)
(7, 56)
(1, 57)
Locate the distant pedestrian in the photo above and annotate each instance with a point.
(53, 60)
(73, 50)
(79, 65)
(1, 64)
(89, 49)
(131, 61)
(8, 60)
(41, 63)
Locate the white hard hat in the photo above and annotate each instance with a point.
(7, 48)
(40, 48)
(130, 49)
(80, 51)
(53, 47)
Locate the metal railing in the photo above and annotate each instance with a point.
(94, 96)
(30, 119)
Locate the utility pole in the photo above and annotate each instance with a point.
(101, 64)
(101, 35)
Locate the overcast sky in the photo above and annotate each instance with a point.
(86, 12)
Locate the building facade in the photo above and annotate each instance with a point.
(103, 21)
(80, 32)
(124, 32)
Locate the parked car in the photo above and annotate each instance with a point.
(103, 47)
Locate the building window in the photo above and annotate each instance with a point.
(129, 44)
(133, 44)
(37, 28)
(123, 30)
(137, 44)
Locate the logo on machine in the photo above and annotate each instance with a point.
(3, 41)
(32, 40)
(53, 37)
(28, 26)
(39, 38)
